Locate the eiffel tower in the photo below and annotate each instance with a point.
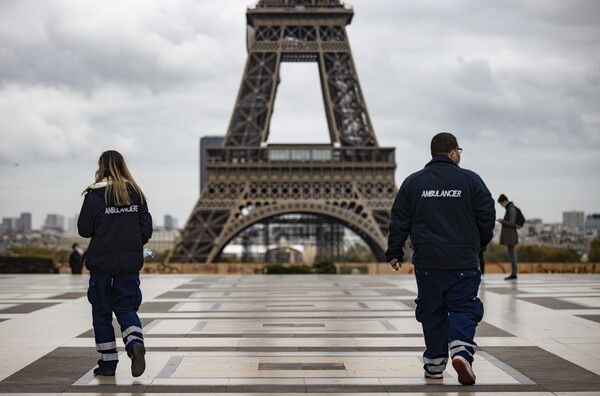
(349, 181)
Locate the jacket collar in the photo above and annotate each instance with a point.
(101, 184)
(440, 159)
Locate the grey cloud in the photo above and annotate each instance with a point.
(150, 77)
(525, 71)
(154, 52)
(475, 75)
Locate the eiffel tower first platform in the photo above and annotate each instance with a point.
(349, 182)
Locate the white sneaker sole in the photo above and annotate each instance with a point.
(434, 376)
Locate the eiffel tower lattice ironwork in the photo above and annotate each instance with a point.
(350, 181)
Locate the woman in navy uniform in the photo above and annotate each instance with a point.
(115, 215)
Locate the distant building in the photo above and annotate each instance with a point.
(170, 223)
(592, 221)
(573, 220)
(205, 143)
(54, 222)
(9, 224)
(24, 223)
(162, 240)
(72, 224)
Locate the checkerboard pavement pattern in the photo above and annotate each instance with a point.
(314, 334)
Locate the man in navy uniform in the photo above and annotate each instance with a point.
(448, 212)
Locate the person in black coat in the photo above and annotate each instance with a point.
(115, 215)
(448, 212)
(75, 260)
(508, 234)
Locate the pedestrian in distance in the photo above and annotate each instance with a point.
(115, 215)
(448, 212)
(508, 235)
(76, 259)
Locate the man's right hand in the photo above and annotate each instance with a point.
(396, 265)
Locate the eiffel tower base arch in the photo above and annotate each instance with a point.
(357, 194)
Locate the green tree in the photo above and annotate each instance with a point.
(496, 254)
(569, 255)
(39, 252)
(324, 267)
(594, 252)
(532, 254)
(542, 254)
(358, 253)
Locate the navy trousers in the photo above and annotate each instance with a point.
(121, 294)
(449, 310)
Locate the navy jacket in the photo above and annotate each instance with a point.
(118, 233)
(447, 211)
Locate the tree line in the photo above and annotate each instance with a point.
(541, 254)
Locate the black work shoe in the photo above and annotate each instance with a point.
(511, 277)
(99, 371)
(466, 376)
(138, 363)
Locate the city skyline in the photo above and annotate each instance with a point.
(517, 82)
(67, 223)
(171, 222)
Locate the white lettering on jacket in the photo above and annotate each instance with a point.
(115, 210)
(441, 194)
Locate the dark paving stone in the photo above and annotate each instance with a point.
(487, 330)
(301, 366)
(107, 389)
(323, 366)
(346, 388)
(280, 366)
(377, 284)
(69, 296)
(193, 285)
(53, 373)
(546, 369)
(286, 293)
(266, 389)
(279, 335)
(289, 306)
(464, 389)
(593, 318)
(176, 294)
(26, 308)
(156, 307)
(553, 303)
(293, 325)
(502, 290)
(396, 292)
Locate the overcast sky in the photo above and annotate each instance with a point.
(517, 81)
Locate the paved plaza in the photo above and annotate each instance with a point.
(315, 334)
